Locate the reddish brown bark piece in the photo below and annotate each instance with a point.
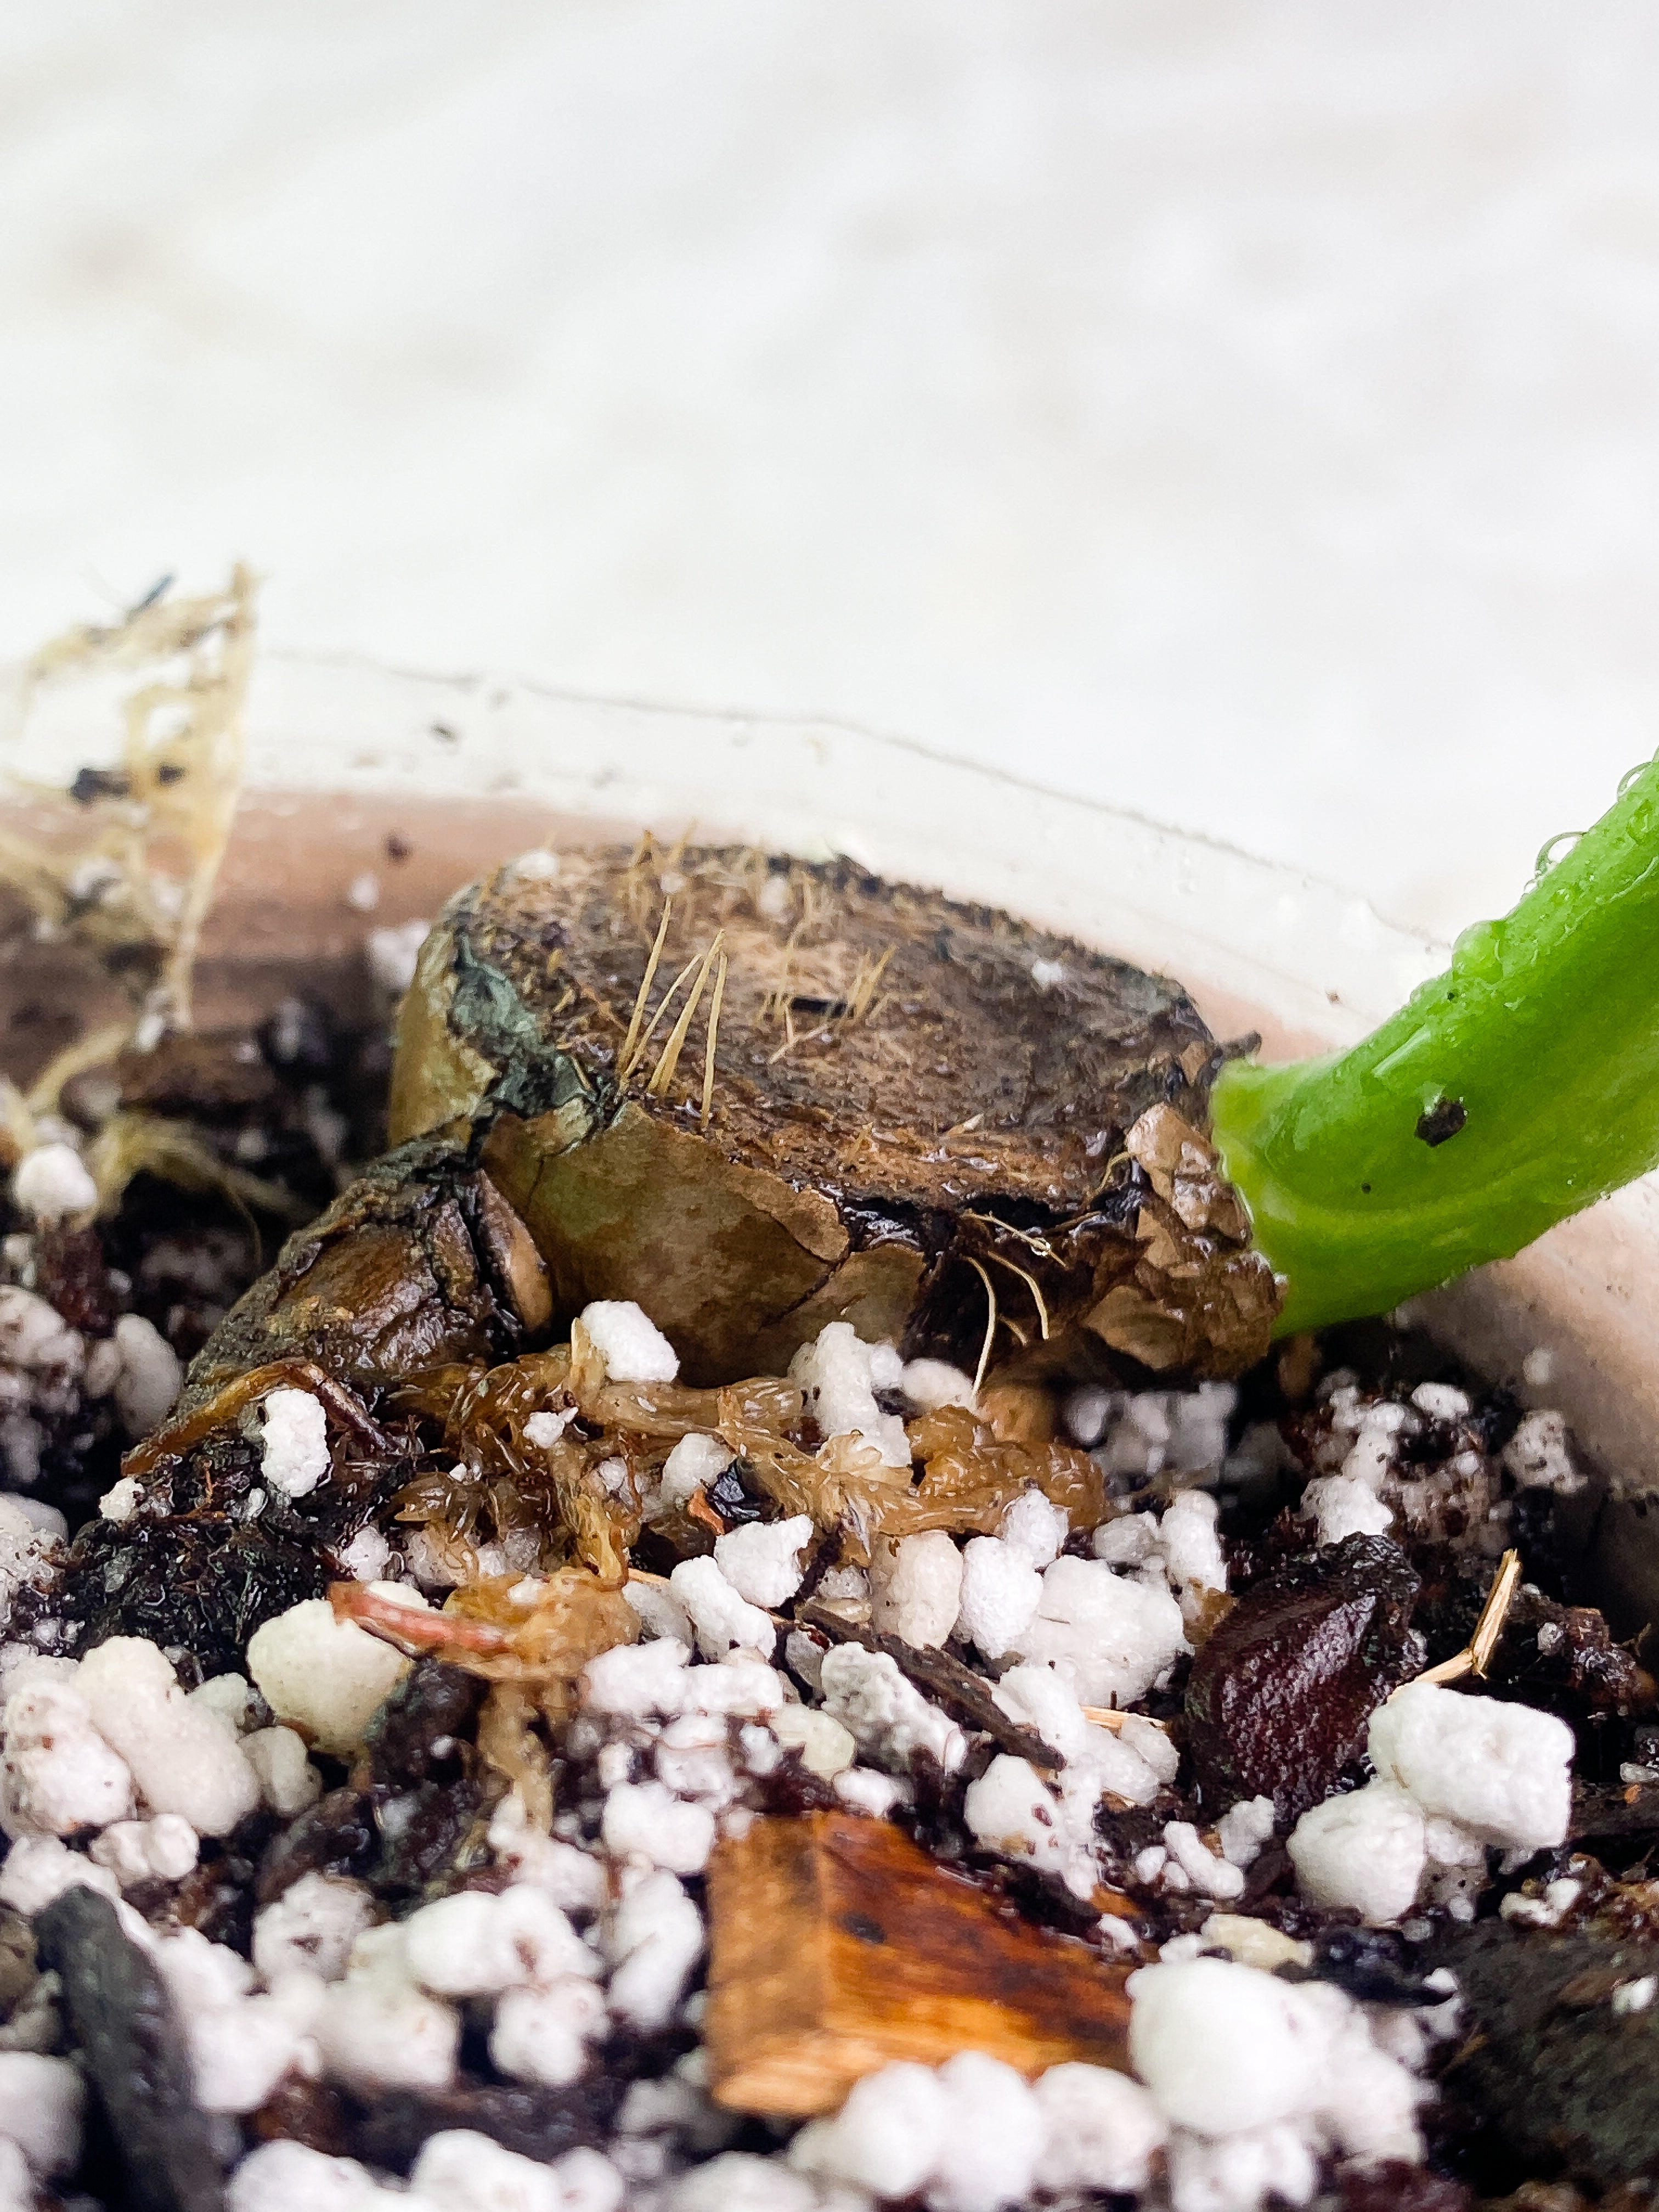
(839, 1946)
(1281, 1695)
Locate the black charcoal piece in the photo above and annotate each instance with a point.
(123, 2025)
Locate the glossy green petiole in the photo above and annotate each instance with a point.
(1505, 1095)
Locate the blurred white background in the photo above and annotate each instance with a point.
(1246, 412)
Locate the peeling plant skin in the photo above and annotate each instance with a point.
(865, 1141)
(396, 1277)
(408, 1270)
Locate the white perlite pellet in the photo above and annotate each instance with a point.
(836, 1373)
(287, 1780)
(693, 1759)
(655, 1939)
(466, 2171)
(573, 1878)
(645, 1821)
(1245, 1829)
(1341, 1506)
(478, 1941)
(1085, 1412)
(634, 1349)
(377, 2029)
(1240, 2172)
(888, 1717)
(1104, 2130)
(182, 1759)
(327, 1675)
(1010, 1809)
(915, 1588)
(993, 2137)
(150, 1377)
(826, 1749)
(861, 1789)
(284, 2177)
(724, 1620)
(761, 1561)
(164, 1849)
(56, 1773)
(886, 2137)
(120, 1501)
(746, 1687)
(1192, 1549)
(44, 1519)
(1229, 2051)
(1110, 1635)
(240, 2044)
(42, 2103)
(660, 1613)
(1209, 1876)
(51, 1181)
(1503, 1772)
(1548, 1911)
(1251, 1942)
(849, 1585)
(695, 1461)
(1371, 1456)
(1001, 1590)
(739, 2181)
(228, 1698)
(544, 2034)
(1539, 1457)
(546, 1429)
(1035, 1527)
(310, 1928)
(38, 1868)
(1365, 1851)
(1222, 2047)
(1131, 1763)
(632, 1680)
(294, 1456)
(1132, 1540)
(35, 1338)
(931, 1384)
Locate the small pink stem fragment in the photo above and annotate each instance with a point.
(411, 1629)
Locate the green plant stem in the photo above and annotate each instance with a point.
(1543, 1035)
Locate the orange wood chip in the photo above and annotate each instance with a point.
(839, 1946)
